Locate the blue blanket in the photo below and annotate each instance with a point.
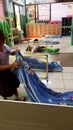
(35, 64)
(35, 89)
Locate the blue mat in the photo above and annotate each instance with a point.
(53, 36)
(35, 64)
(35, 89)
(47, 39)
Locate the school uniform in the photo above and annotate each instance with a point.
(8, 80)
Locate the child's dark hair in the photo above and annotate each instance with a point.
(2, 35)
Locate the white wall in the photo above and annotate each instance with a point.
(30, 1)
(70, 7)
(44, 1)
(39, 1)
(59, 10)
(19, 1)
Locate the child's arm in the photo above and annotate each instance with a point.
(9, 66)
(14, 51)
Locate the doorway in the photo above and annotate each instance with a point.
(17, 16)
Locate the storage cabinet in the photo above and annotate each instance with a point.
(43, 29)
(66, 26)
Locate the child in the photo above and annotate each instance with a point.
(8, 81)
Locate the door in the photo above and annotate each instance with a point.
(17, 16)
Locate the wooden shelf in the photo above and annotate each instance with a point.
(42, 29)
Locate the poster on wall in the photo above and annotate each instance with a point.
(30, 13)
(44, 12)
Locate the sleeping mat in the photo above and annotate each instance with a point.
(53, 66)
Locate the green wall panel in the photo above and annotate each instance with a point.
(23, 23)
(8, 14)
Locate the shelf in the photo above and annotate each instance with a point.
(66, 26)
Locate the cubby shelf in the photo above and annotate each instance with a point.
(66, 26)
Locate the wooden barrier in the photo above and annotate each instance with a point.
(33, 116)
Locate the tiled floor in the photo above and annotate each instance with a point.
(58, 81)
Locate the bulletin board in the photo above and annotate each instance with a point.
(44, 12)
(30, 13)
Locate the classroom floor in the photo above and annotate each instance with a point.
(58, 81)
